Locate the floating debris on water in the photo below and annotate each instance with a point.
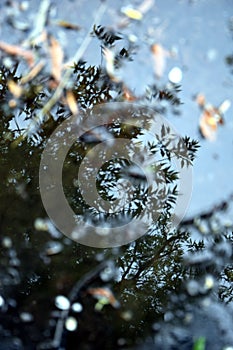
(105, 297)
(211, 116)
(68, 25)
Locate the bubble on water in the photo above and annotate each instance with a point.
(168, 316)
(24, 5)
(26, 317)
(77, 307)
(62, 302)
(107, 274)
(99, 256)
(12, 277)
(7, 242)
(2, 302)
(41, 224)
(193, 287)
(8, 62)
(71, 324)
(127, 315)
(156, 327)
(14, 262)
(121, 342)
(209, 282)
(188, 318)
(53, 247)
(206, 302)
(175, 75)
(211, 54)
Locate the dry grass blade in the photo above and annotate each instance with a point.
(145, 6)
(14, 88)
(33, 72)
(38, 120)
(40, 21)
(57, 55)
(72, 103)
(18, 51)
(159, 58)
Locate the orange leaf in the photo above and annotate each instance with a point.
(200, 99)
(104, 293)
(68, 25)
(208, 125)
(57, 55)
(159, 58)
(128, 95)
(15, 50)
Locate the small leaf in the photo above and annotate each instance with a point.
(68, 25)
(15, 50)
(72, 103)
(14, 88)
(57, 55)
(132, 13)
(159, 58)
(199, 344)
(208, 125)
(163, 131)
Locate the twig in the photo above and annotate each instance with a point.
(40, 21)
(82, 283)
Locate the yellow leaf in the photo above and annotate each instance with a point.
(14, 88)
(132, 13)
(71, 101)
(208, 126)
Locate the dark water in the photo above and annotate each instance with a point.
(166, 298)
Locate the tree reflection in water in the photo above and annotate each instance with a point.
(158, 289)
